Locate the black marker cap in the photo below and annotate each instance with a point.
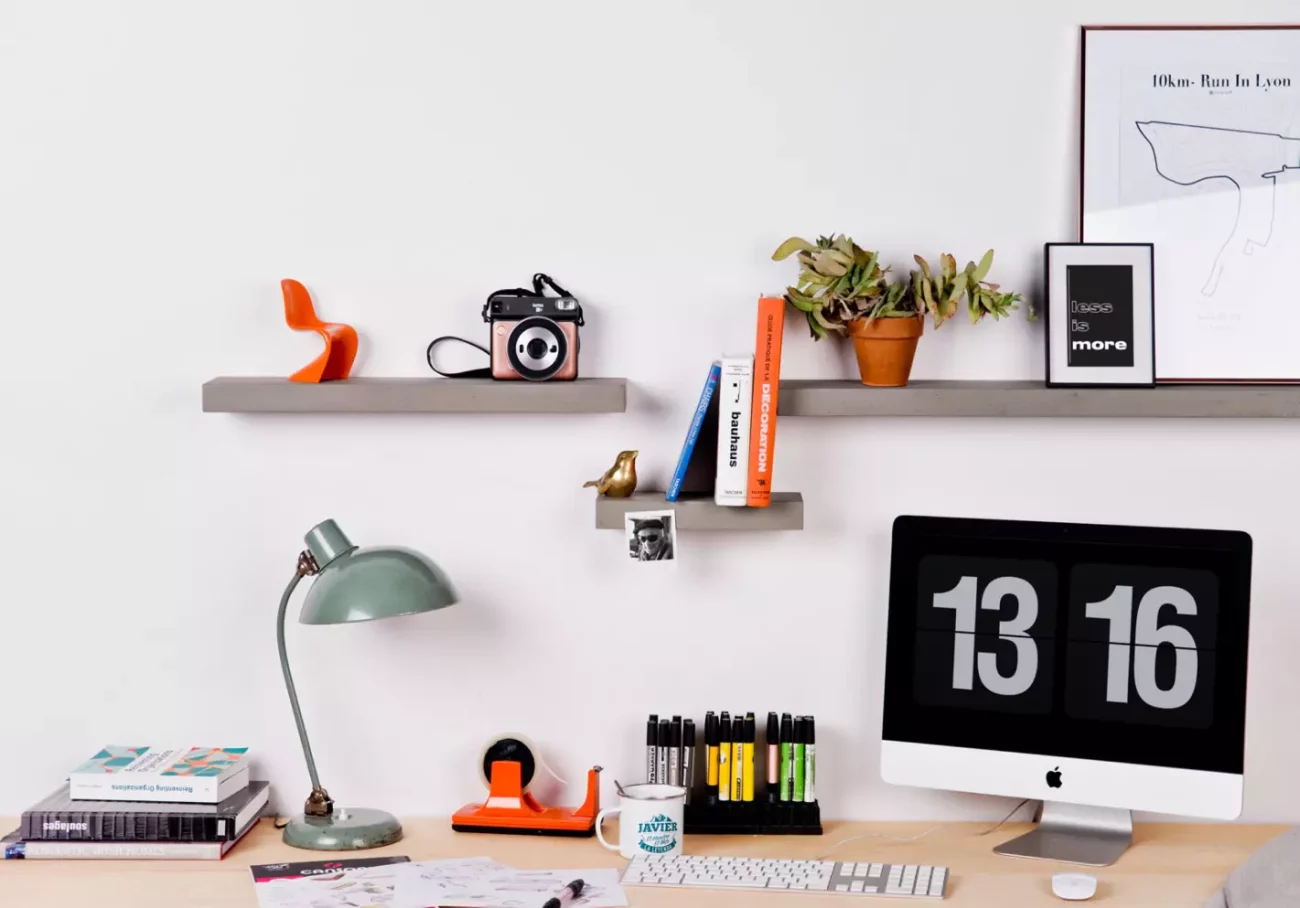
(654, 717)
(773, 729)
(663, 732)
(677, 728)
(809, 731)
(787, 729)
(688, 733)
(675, 734)
(652, 732)
(724, 729)
(799, 731)
(749, 728)
(710, 729)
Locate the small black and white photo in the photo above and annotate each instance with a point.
(651, 535)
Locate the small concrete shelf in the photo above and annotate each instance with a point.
(698, 512)
(1030, 398)
(260, 394)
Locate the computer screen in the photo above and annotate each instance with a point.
(1123, 645)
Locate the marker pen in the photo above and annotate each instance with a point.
(787, 732)
(809, 760)
(675, 751)
(661, 753)
(711, 755)
(797, 759)
(688, 757)
(737, 757)
(651, 749)
(773, 755)
(750, 732)
(724, 757)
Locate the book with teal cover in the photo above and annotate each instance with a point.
(194, 775)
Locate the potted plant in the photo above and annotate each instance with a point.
(842, 289)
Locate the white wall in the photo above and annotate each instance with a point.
(162, 168)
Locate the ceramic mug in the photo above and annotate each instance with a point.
(650, 820)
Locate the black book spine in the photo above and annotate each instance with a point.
(84, 826)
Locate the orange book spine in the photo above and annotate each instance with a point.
(767, 382)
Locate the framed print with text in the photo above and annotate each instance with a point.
(1191, 141)
(1100, 315)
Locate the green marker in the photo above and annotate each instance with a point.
(787, 733)
(797, 758)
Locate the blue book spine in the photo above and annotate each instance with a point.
(693, 434)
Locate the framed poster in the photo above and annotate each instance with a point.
(1100, 315)
(1191, 141)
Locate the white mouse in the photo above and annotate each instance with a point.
(1075, 887)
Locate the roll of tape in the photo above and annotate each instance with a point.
(517, 747)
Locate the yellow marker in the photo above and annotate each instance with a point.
(748, 745)
(737, 763)
(711, 750)
(724, 758)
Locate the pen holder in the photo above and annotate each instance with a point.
(754, 818)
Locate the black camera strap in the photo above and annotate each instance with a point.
(540, 283)
(468, 373)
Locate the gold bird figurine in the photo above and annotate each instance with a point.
(619, 480)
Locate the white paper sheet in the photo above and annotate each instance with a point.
(482, 883)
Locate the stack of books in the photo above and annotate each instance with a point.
(737, 413)
(180, 803)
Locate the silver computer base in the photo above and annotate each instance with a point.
(1076, 834)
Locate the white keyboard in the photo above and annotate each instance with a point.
(837, 877)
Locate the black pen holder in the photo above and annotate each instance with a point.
(753, 817)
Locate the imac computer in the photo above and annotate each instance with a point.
(1098, 669)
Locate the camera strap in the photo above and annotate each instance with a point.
(468, 373)
(540, 283)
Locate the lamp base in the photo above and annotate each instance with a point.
(348, 829)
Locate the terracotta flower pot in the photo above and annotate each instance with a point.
(885, 348)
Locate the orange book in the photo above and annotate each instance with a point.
(767, 381)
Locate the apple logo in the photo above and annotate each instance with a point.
(1054, 778)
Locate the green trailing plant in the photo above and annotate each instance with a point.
(939, 291)
(840, 282)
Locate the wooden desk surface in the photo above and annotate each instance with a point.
(1168, 865)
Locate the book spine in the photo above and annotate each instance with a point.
(86, 826)
(693, 433)
(736, 398)
(767, 382)
(145, 787)
(158, 851)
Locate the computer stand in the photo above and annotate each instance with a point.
(1076, 834)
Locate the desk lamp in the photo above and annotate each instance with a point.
(352, 584)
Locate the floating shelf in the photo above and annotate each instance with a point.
(1030, 398)
(700, 513)
(239, 394)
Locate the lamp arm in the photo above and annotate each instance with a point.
(318, 802)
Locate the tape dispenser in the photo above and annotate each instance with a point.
(508, 766)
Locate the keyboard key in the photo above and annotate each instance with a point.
(875, 870)
(855, 886)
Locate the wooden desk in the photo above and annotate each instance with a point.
(1169, 865)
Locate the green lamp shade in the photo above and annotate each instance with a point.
(362, 584)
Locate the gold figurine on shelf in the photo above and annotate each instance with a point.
(619, 480)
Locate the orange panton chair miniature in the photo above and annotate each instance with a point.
(340, 340)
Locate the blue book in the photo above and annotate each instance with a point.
(693, 434)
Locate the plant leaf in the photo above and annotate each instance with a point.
(791, 246)
(982, 270)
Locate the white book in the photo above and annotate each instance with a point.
(179, 775)
(735, 401)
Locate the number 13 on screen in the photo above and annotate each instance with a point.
(1138, 641)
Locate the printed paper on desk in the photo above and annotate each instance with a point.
(490, 885)
(363, 887)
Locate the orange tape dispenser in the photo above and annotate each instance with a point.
(509, 767)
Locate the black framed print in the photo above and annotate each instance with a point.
(1100, 315)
